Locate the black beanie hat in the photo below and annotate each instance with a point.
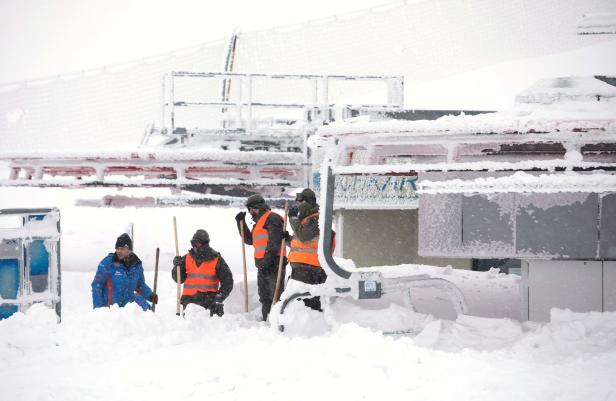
(307, 195)
(124, 241)
(255, 201)
(201, 235)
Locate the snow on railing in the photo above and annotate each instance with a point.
(163, 168)
(238, 111)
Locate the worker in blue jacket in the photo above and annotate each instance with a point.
(119, 278)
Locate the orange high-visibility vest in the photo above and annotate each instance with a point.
(260, 236)
(200, 278)
(307, 252)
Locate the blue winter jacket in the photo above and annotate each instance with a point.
(115, 283)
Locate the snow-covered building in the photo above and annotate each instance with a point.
(535, 183)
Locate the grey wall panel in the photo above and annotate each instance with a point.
(488, 224)
(560, 225)
(575, 285)
(570, 225)
(609, 286)
(607, 247)
(440, 224)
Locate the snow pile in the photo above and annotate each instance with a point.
(373, 349)
(118, 354)
(487, 294)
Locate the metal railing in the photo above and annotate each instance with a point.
(238, 115)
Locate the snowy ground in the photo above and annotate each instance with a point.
(120, 354)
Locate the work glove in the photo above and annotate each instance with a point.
(177, 261)
(293, 211)
(153, 298)
(217, 308)
(240, 216)
(286, 236)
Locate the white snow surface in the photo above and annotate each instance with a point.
(342, 354)
(524, 182)
(119, 354)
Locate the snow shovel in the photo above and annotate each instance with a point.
(178, 306)
(282, 248)
(245, 272)
(155, 276)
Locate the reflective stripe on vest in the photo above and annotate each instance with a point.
(307, 252)
(200, 278)
(260, 236)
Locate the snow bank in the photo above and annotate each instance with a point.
(372, 350)
(117, 354)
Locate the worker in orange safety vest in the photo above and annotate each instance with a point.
(266, 238)
(303, 256)
(207, 278)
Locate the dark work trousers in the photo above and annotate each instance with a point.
(266, 284)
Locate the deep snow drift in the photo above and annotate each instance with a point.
(119, 354)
